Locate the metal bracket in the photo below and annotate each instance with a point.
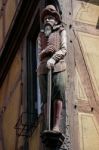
(26, 124)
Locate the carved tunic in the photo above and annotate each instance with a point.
(55, 47)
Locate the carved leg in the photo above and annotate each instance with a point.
(57, 109)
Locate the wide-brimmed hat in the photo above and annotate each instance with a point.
(50, 10)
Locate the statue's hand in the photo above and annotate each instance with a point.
(50, 49)
(50, 63)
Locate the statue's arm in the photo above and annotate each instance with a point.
(49, 50)
(60, 54)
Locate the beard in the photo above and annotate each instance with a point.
(47, 30)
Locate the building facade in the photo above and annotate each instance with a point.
(20, 105)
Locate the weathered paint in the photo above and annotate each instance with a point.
(11, 78)
(89, 132)
(10, 94)
(90, 44)
(0, 4)
(34, 142)
(10, 118)
(9, 13)
(88, 12)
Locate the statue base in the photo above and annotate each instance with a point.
(52, 139)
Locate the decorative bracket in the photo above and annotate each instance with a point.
(52, 139)
(26, 124)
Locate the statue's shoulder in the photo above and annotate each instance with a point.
(41, 33)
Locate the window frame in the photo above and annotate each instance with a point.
(33, 102)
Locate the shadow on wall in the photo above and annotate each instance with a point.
(97, 26)
(95, 2)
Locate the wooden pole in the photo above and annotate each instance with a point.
(49, 86)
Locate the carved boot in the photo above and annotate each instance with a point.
(57, 109)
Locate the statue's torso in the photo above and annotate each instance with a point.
(55, 41)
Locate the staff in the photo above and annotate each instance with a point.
(49, 87)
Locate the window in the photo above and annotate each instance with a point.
(29, 118)
(38, 89)
(33, 94)
(31, 77)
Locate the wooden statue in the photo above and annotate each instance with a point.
(53, 49)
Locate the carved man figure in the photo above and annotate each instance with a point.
(53, 48)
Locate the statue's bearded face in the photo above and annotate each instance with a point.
(49, 22)
(49, 19)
